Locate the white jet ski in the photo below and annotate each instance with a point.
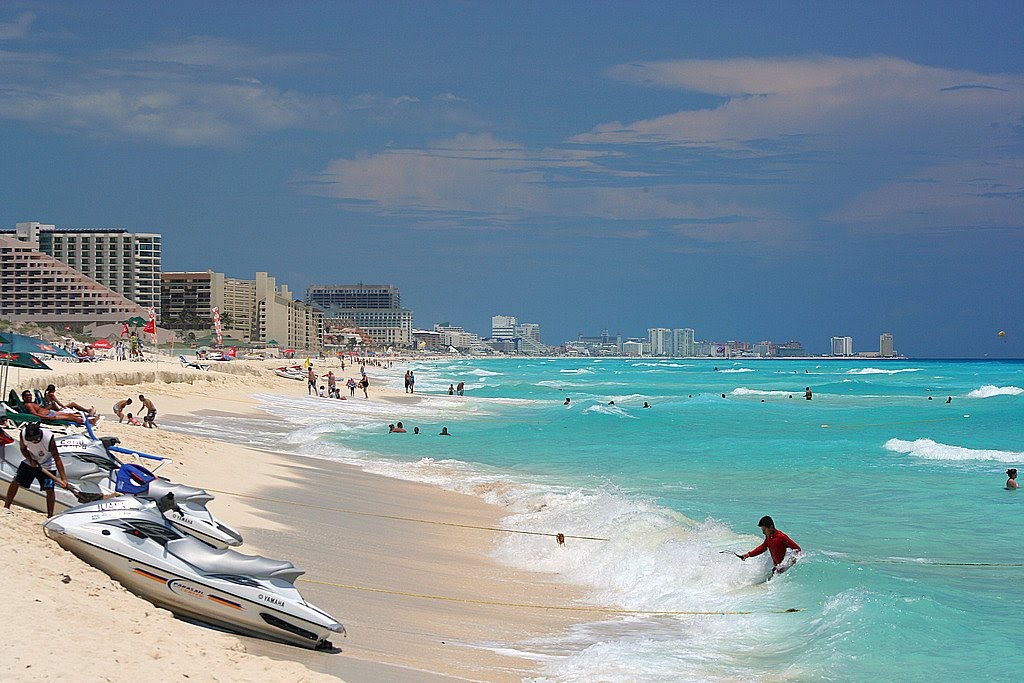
(93, 471)
(129, 539)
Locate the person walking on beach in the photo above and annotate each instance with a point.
(311, 381)
(119, 408)
(332, 384)
(412, 382)
(1011, 481)
(351, 384)
(150, 419)
(364, 383)
(776, 543)
(39, 450)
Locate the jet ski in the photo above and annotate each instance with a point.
(131, 540)
(94, 472)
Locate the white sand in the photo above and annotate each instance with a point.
(392, 635)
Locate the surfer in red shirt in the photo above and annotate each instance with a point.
(775, 542)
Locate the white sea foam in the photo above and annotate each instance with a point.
(932, 450)
(738, 370)
(577, 371)
(605, 409)
(880, 371)
(479, 372)
(743, 391)
(990, 390)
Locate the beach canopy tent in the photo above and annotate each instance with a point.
(136, 321)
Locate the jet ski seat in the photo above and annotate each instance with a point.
(158, 488)
(227, 561)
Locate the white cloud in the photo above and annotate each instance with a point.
(222, 54)
(12, 30)
(948, 196)
(839, 101)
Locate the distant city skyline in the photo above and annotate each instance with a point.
(759, 172)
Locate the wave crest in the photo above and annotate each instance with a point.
(933, 450)
(990, 390)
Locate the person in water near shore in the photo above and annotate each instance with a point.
(807, 393)
(776, 543)
(444, 432)
(399, 428)
(39, 450)
(567, 402)
(1011, 481)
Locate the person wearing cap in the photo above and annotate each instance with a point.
(39, 450)
(1011, 482)
(775, 542)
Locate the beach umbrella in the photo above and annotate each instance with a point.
(17, 359)
(18, 343)
(102, 344)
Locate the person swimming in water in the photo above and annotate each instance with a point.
(1011, 481)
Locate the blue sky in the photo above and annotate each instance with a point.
(754, 171)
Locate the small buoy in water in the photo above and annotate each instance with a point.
(824, 426)
(966, 415)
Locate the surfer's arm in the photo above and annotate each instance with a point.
(756, 551)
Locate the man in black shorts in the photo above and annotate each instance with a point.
(150, 419)
(39, 450)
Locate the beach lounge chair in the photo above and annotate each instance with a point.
(185, 363)
(21, 418)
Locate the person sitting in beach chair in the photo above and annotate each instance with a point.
(48, 415)
(185, 363)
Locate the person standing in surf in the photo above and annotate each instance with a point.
(776, 543)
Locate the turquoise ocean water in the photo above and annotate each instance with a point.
(891, 495)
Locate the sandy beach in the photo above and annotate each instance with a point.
(421, 600)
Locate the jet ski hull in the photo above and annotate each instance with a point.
(262, 607)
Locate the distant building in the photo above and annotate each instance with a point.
(375, 309)
(885, 347)
(602, 345)
(454, 337)
(660, 341)
(790, 349)
(124, 262)
(503, 326)
(842, 346)
(633, 347)
(682, 342)
(36, 287)
(251, 310)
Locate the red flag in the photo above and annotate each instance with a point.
(150, 327)
(124, 330)
(232, 352)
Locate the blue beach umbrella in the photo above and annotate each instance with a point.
(21, 343)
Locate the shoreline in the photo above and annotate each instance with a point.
(393, 635)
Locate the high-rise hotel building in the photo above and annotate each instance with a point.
(885, 347)
(374, 309)
(842, 346)
(127, 263)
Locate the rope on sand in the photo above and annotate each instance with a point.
(557, 536)
(564, 608)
